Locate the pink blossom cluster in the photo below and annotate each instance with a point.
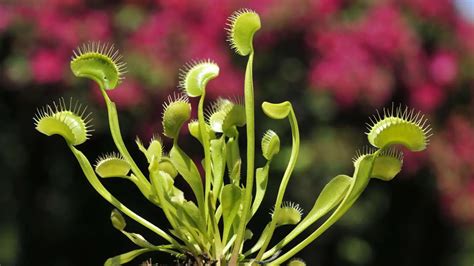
(366, 58)
(167, 35)
(360, 55)
(360, 52)
(453, 163)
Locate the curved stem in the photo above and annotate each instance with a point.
(207, 168)
(284, 182)
(207, 154)
(361, 179)
(314, 215)
(250, 121)
(328, 223)
(97, 185)
(294, 233)
(208, 210)
(117, 137)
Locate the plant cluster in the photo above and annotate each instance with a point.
(358, 54)
(211, 226)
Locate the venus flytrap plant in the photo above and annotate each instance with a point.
(211, 227)
(194, 79)
(281, 111)
(242, 26)
(382, 163)
(103, 64)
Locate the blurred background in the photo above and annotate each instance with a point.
(337, 61)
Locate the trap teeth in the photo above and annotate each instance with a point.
(67, 120)
(242, 26)
(195, 75)
(176, 111)
(112, 165)
(399, 126)
(290, 213)
(100, 62)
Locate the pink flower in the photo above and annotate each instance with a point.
(413, 69)
(63, 4)
(379, 87)
(441, 10)
(54, 27)
(58, 27)
(453, 163)
(347, 69)
(6, 15)
(385, 32)
(461, 137)
(325, 7)
(426, 97)
(47, 66)
(465, 31)
(95, 25)
(443, 68)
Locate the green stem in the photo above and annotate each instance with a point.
(215, 228)
(229, 244)
(250, 121)
(97, 185)
(256, 247)
(167, 250)
(207, 154)
(117, 137)
(207, 167)
(284, 182)
(328, 223)
(361, 179)
(294, 233)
